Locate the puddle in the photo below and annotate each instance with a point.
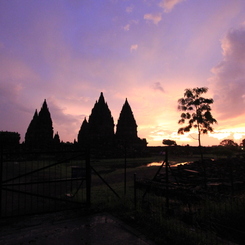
(180, 164)
(155, 164)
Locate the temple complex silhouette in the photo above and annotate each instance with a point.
(39, 133)
(97, 132)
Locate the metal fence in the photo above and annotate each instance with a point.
(191, 216)
(202, 220)
(36, 182)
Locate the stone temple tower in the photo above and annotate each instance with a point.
(99, 129)
(101, 123)
(126, 126)
(39, 133)
(83, 134)
(126, 130)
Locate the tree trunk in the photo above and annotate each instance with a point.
(202, 158)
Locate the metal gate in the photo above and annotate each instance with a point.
(38, 182)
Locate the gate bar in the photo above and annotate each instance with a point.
(1, 178)
(37, 170)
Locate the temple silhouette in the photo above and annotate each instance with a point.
(126, 129)
(97, 132)
(40, 132)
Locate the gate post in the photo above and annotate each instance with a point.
(125, 167)
(88, 178)
(135, 192)
(167, 179)
(1, 177)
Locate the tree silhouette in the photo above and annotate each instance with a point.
(169, 142)
(229, 143)
(226, 147)
(243, 144)
(196, 111)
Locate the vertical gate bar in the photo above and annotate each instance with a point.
(24, 167)
(1, 179)
(32, 188)
(19, 195)
(167, 180)
(37, 189)
(55, 192)
(68, 163)
(43, 176)
(125, 168)
(49, 187)
(12, 194)
(135, 193)
(88, 178)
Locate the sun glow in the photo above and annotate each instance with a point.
(214, 138)
(234, 133)
(220, 135)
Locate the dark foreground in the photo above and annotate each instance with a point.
(69, 228)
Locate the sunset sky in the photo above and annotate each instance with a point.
(148, 51)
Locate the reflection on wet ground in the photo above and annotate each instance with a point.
(172, 164)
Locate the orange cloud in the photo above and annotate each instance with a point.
(155, 18)
(133, 47)
(229, 76)
(168, 5)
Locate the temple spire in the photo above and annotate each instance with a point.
(126, 126)
(40, 131)
(101, 98)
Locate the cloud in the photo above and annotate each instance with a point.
(14, 112)
(168, 5)
(126, 28)
(14, 70)
(158, 86)
(129, 9)
(133, 47)
(155, 18)
(9, 91)
(65, 123)
(229, 76)
(234, 46)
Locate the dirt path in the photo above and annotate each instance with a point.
(70, 228)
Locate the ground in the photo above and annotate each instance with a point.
(69, 227)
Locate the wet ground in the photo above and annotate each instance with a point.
(66, 228)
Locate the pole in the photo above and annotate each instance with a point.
(231, 176)
(1, 177)
(167, 180)
(88, 178)
(135, 194)
(125, 168)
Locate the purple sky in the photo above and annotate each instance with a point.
(68, 51)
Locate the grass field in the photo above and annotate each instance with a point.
(112, 190)
(210, 222)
